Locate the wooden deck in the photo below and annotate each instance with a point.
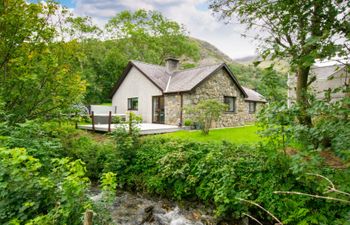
(145, 128)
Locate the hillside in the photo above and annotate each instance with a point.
(280, 65)
(209, 54)
(247, 74)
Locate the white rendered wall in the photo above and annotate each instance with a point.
(137, 85)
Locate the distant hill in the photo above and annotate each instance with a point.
(243, 68)
(247, 59)
(280, 65)
(211, 54)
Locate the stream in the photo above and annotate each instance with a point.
(133, 209)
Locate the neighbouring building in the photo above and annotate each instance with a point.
(327, 76)
(160, 93)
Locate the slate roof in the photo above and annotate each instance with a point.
(183, 80)
(324, 72)
(253, 95)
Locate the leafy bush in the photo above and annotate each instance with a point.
(205, 113)
(29, 194)
(330, 129)
(188, 122)
(220, 174)
(51, 140)
(40, 141)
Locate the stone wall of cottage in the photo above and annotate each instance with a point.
(216, 87)
(172, 108)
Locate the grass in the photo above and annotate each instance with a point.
(106, 104)
(238, 135)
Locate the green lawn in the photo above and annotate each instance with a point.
(106, 104)
(238, 135)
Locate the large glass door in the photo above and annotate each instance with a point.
(158, 109)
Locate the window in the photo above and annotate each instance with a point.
(231, 102)
(252, 107)
(133, 103)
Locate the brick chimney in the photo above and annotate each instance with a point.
(171, 65)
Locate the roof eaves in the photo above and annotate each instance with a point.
(126, 72)
(152, 81)
(121, 79)
(219, 66)
(235, 80)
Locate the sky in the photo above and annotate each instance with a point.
(193, 14)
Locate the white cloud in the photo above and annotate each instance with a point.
(194, 14)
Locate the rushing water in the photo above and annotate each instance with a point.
(131, 209)
(134, 209)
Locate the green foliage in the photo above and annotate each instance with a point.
(127, 141)
(51, 140)
(330, 126)
(98, 156)
(117, 119)
(205, 113)
(217, 174)
(141, 35)
(277, 123)
(132, 123)
(40, 186)
(188, 122)
(40, 141)
(272, 85)
(30, 195)
(268, 82)
(298, 31)
(150, 36)
(41, 76)
(108, 186)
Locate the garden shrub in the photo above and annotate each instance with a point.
(218, 174)
(330, 126)
(30, 195)
(205, 113)
(39, 141)
(27, 192)
(46, 141)
(97, 156)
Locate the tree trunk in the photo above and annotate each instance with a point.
(301, 95)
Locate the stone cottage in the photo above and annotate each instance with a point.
(325, 77)
(160, 93)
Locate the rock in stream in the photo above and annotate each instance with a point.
(131, 209)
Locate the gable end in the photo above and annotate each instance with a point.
(125, 73)
(233, 77)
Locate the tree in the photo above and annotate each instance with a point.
(206, 112)
(296, 30)
(139, 35)
(150, 37)
(41, 74)
(272, 85)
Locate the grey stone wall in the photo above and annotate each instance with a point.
(172, 108)
(216, 87)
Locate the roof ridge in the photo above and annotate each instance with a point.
(150, 64)
(199, 67)
(217, 64)
(334, 65)
(168, 84)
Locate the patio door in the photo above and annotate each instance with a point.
(158, 109)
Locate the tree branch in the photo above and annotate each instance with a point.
(310, 195)
(268, 212)
(253, 218)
